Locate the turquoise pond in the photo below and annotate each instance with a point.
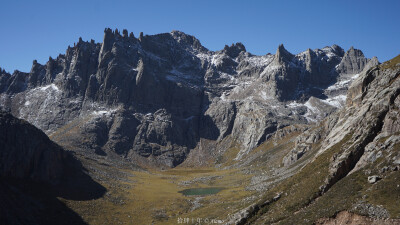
(201, 191)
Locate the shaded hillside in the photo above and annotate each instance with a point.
(34, 171)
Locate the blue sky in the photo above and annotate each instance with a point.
(39, 29)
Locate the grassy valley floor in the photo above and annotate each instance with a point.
(153, 197)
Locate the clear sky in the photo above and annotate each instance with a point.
(39, 29)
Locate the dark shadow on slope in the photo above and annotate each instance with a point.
(76, 184)
(34, 173)
(208, 129)
(27, 202)
(24, 201)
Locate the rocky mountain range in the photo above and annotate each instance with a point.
(164, 99)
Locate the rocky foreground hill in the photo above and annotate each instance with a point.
(161, 99)
(312, 138)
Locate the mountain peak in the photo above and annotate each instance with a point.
(182, 37)
(354, 52)
(178, 33)
(353, 62)
(235, 49)
(337, 50)
(282, 54)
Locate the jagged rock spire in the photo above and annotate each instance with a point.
(141, 36)
(107, 41)
(235, 49)
(108, 30)
(282, 55)
(310, 56)
(125, 33)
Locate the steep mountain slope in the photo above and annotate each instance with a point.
(34, 172)
(161, 99)
(355, 161)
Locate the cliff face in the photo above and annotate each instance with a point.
(155, 98)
